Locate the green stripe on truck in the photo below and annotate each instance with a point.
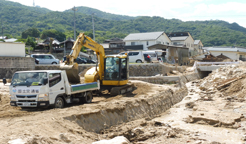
(83, 87)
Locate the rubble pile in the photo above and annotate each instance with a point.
(224, 76)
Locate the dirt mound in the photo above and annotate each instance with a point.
(237, 88)
(230, 80)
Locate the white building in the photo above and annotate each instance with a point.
(9, 49)
(184, 39)
(198, 46)
(234, 53)
(145, 40)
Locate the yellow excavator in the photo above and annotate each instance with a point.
(112, 71)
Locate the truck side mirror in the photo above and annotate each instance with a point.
(45, 81)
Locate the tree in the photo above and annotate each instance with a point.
(32, 32)
(31, 42)
(54, 34)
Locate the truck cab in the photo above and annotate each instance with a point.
(46, 88)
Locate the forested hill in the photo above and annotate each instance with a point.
(17, 18)
(101, 14)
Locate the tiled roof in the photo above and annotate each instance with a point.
(143, 36)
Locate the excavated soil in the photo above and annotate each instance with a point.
(207, 111)
(84, 123)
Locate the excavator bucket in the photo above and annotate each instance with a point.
(72, 72)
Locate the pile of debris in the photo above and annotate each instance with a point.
(220, 58)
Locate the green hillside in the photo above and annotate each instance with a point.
(100, 14)
(17, 18)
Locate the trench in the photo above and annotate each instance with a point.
(137, 108)
(99, 119)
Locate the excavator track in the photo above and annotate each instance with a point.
(121, 90)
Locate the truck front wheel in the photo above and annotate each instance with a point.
(59, 103)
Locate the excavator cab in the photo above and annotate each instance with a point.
(116, 69)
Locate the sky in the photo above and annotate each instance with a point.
(185, 10)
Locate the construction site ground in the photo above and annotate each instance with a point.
(212, 111)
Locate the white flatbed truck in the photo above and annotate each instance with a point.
(43, 88)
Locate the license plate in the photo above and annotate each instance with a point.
(26, 104)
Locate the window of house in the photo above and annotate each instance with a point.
(167, 43)
(133, 43)
(54, 78)
(147, 43)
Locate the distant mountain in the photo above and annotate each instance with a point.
(100, 14)
(14, 5)
(17, 18)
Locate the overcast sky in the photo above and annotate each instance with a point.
(185, 10)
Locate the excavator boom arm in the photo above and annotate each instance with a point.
(86, 41)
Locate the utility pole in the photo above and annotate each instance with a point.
(93, 26)
(2, 28)
(74, 9)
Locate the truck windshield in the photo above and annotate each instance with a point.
(28, 78)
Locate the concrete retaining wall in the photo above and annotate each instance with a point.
(9, 65)
(134, 69)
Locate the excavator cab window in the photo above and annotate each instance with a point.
(124, 69)
(115, 68)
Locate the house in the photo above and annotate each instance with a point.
(68, 44)
(141, 41)
(234, 53)
(172, 54)
(3, 37)
(111, 46)
(45, 45)
(58, 47)
(198, 46)
(183, 39)
(115, 43)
